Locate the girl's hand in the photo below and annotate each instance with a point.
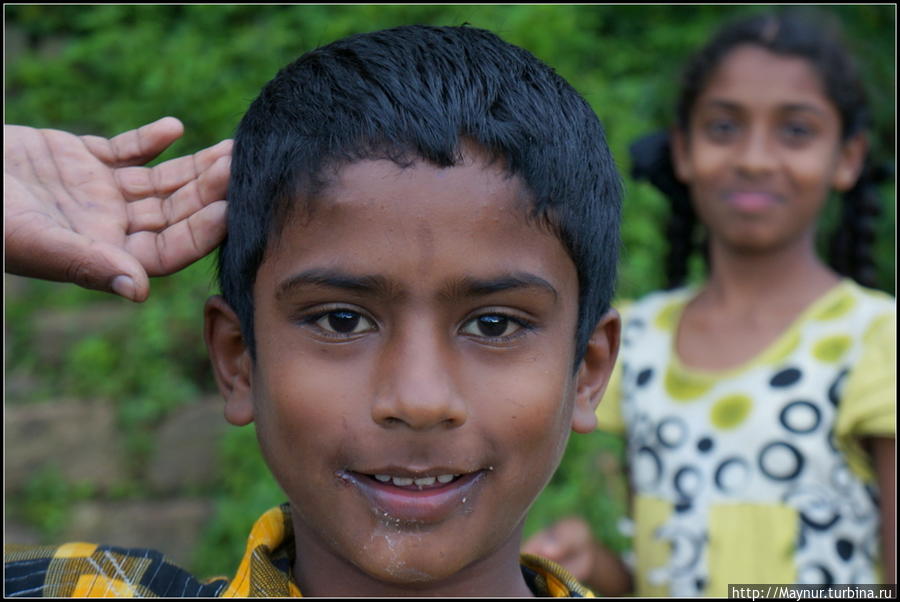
(81, 209)
(571, 544)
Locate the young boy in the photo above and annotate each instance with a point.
(421, 249)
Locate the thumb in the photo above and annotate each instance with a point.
(66, 256)
(111, 269)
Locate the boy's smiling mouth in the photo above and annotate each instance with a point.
(416, 483)
(419, 497)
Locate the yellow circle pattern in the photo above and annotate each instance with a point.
(729, 412)
(665, 319)
(832, 349)
(685, 387)
(836, 309)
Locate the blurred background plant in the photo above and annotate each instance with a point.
(103, 69)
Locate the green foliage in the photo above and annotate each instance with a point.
(102, 69)
(247, 490)
(590, 483)
(47, 501)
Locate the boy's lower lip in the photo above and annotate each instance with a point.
(411, 505)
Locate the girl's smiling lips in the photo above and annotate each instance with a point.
(752, 200)
(421, 497)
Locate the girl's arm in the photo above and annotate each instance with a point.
(884, 453)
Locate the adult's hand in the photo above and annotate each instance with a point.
(82, 209)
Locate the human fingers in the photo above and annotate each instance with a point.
(137, 146)
(545, 544)
(160, 181)
(157, 213)
(180, 244)
(63, 255)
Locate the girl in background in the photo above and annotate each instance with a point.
(759, 406)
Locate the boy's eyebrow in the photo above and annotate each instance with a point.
(463, 287)
(334, 279)
(476, 287)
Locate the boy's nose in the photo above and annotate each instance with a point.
(415, 384)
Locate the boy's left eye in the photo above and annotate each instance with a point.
(493, 326)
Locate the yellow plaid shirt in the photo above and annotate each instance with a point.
(88, 570)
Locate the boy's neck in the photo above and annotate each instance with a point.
(319, 571)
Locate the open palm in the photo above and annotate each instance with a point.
(82, 209)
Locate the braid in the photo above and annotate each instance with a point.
(652, 160)
(851, 248)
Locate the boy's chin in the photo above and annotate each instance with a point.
(430, 563)
(413, 562)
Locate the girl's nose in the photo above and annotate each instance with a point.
(756, 154)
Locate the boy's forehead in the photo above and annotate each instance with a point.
(413, 183)
(471, 220)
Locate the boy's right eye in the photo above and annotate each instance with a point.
(342, 322)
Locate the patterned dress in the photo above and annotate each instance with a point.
(756, 474)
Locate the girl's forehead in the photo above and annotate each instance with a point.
(750, 71)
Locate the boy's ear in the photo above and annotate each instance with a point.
(595, 370)
(679, 151)
(850, 163)
(230, 359)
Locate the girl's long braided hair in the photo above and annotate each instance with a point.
(788, 33)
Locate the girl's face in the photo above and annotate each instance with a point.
(762, 150)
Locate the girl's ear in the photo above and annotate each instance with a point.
(680, 158)
(850, 163)
(230, 358)
(595, 370)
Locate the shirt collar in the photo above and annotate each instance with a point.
(266, 568)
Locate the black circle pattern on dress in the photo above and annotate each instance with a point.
(844, 549)
(836, 388)
(672, 432)
(817, 512)
(686, 548)
(705, 445)
(774, 464)
(816, 524)
(732, 475)
(687, 483)
(786, 378)
(644, 376)
(832, 441)
(644, 455)
(801, 417)
(631, 329)
(815, 574)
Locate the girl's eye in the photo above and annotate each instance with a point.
(343, 322)
(797, 132)
(721, 129)
(493, 326)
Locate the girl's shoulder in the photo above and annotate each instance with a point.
(658, 308)
(854, 303)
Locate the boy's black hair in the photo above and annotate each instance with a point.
(413, 93)
(792, 32)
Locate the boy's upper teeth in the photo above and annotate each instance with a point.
(419, 482)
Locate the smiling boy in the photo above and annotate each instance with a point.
(421, 250)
